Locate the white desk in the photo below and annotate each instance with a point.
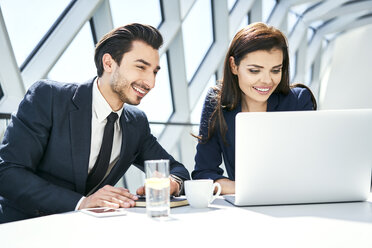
(221, 225)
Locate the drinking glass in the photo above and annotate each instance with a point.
(157, 186)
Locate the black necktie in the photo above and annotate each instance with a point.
(103, 160)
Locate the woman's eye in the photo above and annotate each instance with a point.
(276, 71)
(254, 71)
(140, 67)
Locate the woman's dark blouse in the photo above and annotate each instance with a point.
(209, 155)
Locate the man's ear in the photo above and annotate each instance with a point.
(108, 63)
(233, 66)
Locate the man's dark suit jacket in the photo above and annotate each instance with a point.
(45, 152)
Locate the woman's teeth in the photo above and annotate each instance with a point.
(262, 89)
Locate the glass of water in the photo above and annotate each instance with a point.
(157, 186)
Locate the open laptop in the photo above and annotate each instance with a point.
(302, 157)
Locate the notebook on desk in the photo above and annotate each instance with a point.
(302, 157)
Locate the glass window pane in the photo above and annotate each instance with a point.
(267, 8)
(196, 112)
(317, 24)
(158, 103)
(28, 21)
(77, 62)
(142, 11)
(243, 24)
(300, 9)
(292, 67)
(231, 4)
(310, 34)
(291, 21)
(309, 75)
(157, 129)
(197, 32)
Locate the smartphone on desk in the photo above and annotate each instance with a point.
(104, 211)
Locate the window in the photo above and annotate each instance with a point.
(310, 75)
(196, 112)
(291, 21)
(158, 104)
(267, 8)
(293, 67)
(142, 11)
(310, 34)
(231, 4)
(29, 20)
(77, 62)
(243, 24)
(197, 32)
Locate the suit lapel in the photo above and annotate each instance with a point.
(80, 133)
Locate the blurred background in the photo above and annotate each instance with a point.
(329, 44)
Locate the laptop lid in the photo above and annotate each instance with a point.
(303, 157)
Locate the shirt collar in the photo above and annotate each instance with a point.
(101, 108)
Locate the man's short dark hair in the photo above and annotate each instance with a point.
(119, 41)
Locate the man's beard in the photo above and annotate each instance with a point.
(119, 88)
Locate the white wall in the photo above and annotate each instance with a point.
(348, 81)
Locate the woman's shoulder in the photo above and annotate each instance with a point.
(299, 97)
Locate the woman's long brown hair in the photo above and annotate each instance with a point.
(254, 37)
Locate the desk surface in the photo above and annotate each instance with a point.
(220, 225)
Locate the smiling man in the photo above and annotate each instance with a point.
(68, 144)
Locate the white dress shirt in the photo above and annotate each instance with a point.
(100, 110)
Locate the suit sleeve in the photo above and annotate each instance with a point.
(150, 149)
(208, 156)
(21, 151)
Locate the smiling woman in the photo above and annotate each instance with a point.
(255, 79)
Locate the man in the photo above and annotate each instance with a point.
(57, 155)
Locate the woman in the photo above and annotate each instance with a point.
(256, 79)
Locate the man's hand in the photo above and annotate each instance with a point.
(174, 188)
(109, 196)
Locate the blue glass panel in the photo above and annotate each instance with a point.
(158, 103)
(28, 21)
(77, 62)
(267, 8)
(197, 32)
(142, 11)
(300, 9)
(292, 66)
(310, 34)
(230, 4)
(196, 112)
(243, 24)
(291, 22)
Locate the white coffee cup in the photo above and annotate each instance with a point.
(199, 193)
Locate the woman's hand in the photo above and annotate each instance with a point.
(227, 186)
